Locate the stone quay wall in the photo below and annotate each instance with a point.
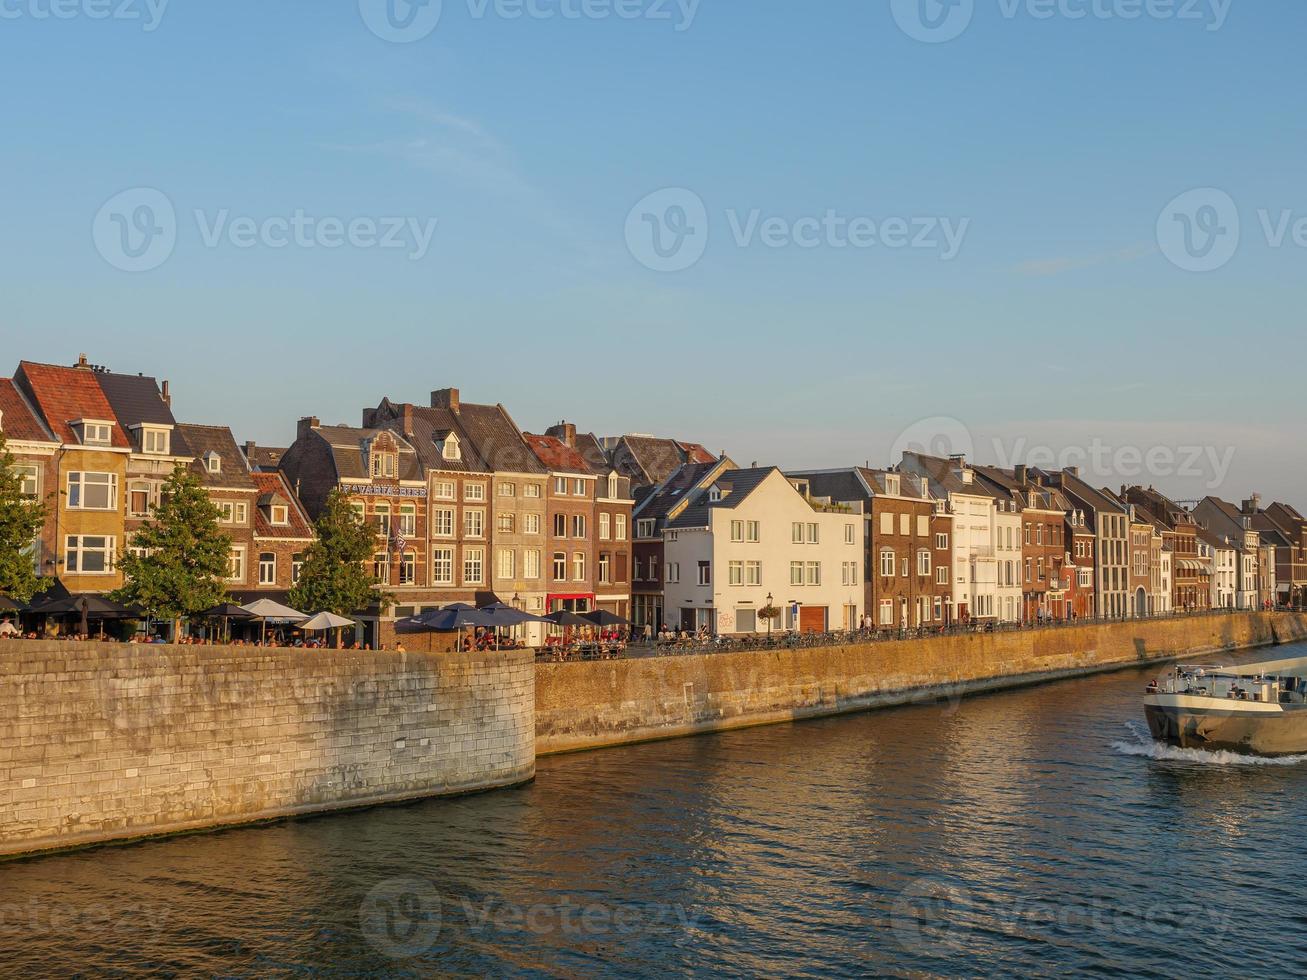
(100, 742)
(597, 704)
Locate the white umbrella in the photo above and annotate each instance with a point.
(326, 621)
(274, 612)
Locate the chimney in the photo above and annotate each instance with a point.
(445, 398)
(1073, 470)
(369, 420)
(408, 421)
(307, 425)
(82, 363)
(249, 449)
(1021, 473)
(564, 432)
(1253, 504)
(166, 393)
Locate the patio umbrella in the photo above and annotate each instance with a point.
(506, 617)
(272, 612)
(602, 617)
(8, 605)
(446, 620)
(326, 621)
(565, 618)
(227, 612)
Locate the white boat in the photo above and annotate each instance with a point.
(1256, 709)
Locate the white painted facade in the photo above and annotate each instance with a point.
(1007, 561)
(772, 542)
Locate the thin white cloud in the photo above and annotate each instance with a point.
(1065, 263)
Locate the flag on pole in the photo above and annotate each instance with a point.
(397, 539)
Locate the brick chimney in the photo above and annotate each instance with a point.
(307, 425)
(564, 432)
(1021, 473)
(250, 447)
(1253, 504)
(1073, 470)
(165, 393)
(445, 398)
(82, 363)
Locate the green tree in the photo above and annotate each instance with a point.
(335, 576)
(182, 554)
(21, 520)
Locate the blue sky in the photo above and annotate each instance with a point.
(1056, 142)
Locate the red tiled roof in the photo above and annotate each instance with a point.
(16, 418)
(299, 527)
(556, 454)
(695, 453)
(65, 394)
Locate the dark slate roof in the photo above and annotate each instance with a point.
(596, 457)
(347, 448)
(430, 426)
(65, 394)
(275, 484)
(657, 458)
(1094, 500)
(205, 439)
(498, 440)
(18, 420)
(556, 455)
(663, 498)
(136, 399)
(266, 458)
(741, 483)
(842, 486)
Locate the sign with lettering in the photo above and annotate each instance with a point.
(370, 490)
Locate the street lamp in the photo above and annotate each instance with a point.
(769, 617)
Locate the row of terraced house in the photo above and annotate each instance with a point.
(468, 507)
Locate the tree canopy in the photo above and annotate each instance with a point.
(335, 576)
(21, 520)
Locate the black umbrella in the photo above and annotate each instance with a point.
(228, 611)
(446, 620)
(507, 616)
(602, 617)
(565, 618)
(8, 605)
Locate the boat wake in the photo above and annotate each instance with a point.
(1141, 744)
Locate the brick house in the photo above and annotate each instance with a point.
(1043, 543)
(35, 452)
(1191, 576)
(282, 533)
(1109, 522)
(570, 520)
(1292, 578)
(221, 467)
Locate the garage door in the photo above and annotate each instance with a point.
(812, 619)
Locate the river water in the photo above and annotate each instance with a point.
(1029, 832)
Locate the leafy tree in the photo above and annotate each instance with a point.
(335, 576)
(184, 554)
(21, 520)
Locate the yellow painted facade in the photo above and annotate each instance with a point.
(87, 537)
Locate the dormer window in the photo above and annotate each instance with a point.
(155, 440)
(280, 515)
(385, 465)
(892, 486)
(94, 433)
(449, 447)
(212, 462)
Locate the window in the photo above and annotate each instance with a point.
(213, 462)
(236, 564)
(578, 566)
(605, 527)
(1029, 570)
(506, 566)
(578, 525)
(605, 568)
(941, 542)
(612, 486)
(442, 566)
(507, 490)
(736, 573)
(97, 434)
(281, 515)
(267, 568)
(531, 523)
(360, 510)
(445, 490)
(737, 531)
(90, 555)
(705, 573)
(474, 523)
(474, 491)
(796, 573)
(155, 442)
(796, 533)
(296, 567)
(849, 573)
(905, 568)
(29, 480)
(578, 488)
(140, 497)
(753, 573)
(560, 486)
(384, 465)
(941, 575)
(653, 569)
(92, 491)
(1041, 570)
(560, 525)
(752, 532)
(442, 522)
(905, 524)
(939, 609)
(381, 568)
(505, 523)
(382, 514)
(850, 534)
(923, 563)
(408, 568)
(886, 563)
(886, 523)
(644, 528)
(814, 573)
(560, 566)
(474, 560)
(814, 534)
(408, 519)
(886, 612)
(673, 572)
(923, 526)
(531, 564)
(619, 527)
(449, 447)
(532, 490)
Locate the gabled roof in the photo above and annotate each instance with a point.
(556, 455)
(348, 446)
(275, 484)
(498, 439)
(596, 457)
(943, 477)
(18, 420)
(678, 487)
(1085, 495)
(205, 439)
(737, 485)
(656, 459)
(63, 395)
(137, 400)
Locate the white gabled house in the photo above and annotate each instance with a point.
(750, 536)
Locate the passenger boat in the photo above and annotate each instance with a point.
(1255, 709)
